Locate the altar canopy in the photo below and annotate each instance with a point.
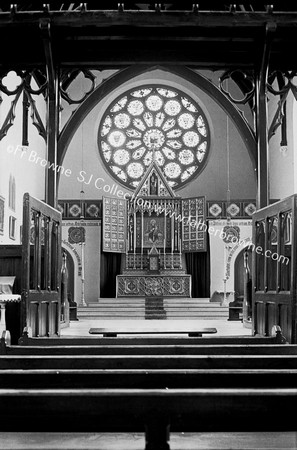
(153, 229)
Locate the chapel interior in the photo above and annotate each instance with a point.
(148, 182)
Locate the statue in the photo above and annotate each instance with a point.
(154, 184)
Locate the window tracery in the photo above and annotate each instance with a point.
(154, 122)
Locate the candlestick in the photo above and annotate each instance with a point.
(180, 254)
(134, 232)
(83, 274)
(172, 233)
(127, 256)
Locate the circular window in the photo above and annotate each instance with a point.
(154, 122)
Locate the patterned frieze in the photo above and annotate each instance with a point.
(215, 209)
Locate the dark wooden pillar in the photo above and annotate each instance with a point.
(262, 123)
(52, 116)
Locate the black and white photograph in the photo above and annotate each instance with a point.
(148, 235)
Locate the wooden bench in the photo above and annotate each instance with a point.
(147, 378)
(155, 411)
(171, 349)
(153, 327)
(146, 362)
(152, 389)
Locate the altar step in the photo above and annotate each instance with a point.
(153, 308)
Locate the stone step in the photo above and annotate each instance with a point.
(144, 313)
(153, 308)
(152, 302)
(169, 310)
(142, 300)
(143, 317)
(156, 310)
(172, 313)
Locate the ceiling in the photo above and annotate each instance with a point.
(212, 35)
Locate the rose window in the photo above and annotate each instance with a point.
(154, 123)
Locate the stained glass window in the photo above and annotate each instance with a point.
(154, 122)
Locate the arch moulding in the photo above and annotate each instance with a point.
(125, 75)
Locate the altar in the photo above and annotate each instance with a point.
(153, 230)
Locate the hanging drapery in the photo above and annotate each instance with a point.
(198, 266)
(110, 267)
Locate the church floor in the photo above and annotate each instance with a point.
(224, 327)
(135, 441)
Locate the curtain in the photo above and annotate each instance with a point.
(198, 266)
(110, 267)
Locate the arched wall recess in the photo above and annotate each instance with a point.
(125, 75)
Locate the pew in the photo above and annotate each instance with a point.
(152, 389)
(139, 362)
(147, 378)
(152, 410)
(171, 349)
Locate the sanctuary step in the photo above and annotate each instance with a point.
(153, 308)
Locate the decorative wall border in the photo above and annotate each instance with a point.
(215, 209)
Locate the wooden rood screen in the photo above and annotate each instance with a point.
(41, 256)
(274, 268)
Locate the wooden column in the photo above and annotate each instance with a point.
(262, 124)
(52, 118)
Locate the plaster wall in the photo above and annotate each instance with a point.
(83, 152)
(87, 265)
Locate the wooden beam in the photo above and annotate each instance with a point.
(52, 115)
(261, 119)
(149, 18)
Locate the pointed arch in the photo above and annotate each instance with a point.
(124, 75)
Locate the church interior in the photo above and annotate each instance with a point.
(148, 199)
